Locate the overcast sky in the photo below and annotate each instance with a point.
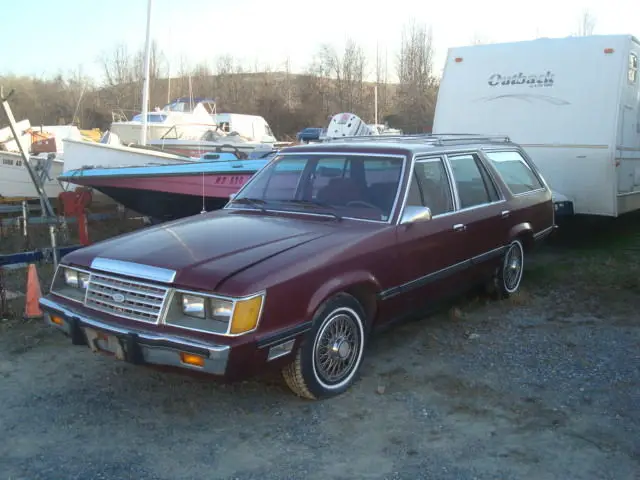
(44, 37)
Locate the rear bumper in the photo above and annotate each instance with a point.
(135, 345)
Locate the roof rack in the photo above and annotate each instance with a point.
(428, 138)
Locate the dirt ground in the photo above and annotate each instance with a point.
(545, 385)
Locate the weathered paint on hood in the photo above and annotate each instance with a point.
(205, 250)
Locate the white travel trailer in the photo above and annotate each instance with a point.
(572, 103)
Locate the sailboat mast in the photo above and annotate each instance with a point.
(169, 75)
(145, 90)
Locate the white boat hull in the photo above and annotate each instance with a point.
(195, 149)
(16, 184)
(129, 132)
(82, 154)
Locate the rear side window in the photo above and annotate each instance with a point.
(515, 172)
(472, 181)
(430, 187)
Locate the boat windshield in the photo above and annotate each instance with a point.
(178, 107)
(151, 118)
(346, 185)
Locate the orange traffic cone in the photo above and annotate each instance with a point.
(33, 294)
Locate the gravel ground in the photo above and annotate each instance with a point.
(545, 385)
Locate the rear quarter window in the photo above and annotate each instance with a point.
(515, 172)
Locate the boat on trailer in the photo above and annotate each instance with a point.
(172, 191)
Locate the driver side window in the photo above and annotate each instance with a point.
(326, 170)
(430, 187)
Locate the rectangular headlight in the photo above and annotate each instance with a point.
(71, 277)
(193, 305)
(70, 283)
(221, 310)
(75, 278)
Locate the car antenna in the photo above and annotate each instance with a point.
(204, 210)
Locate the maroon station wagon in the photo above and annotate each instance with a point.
(325, 243)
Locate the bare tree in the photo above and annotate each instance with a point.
(587, 24)
(348, 72)
(118, 66)
(417, 85)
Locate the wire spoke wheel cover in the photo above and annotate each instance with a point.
(513, 267)
(337, 349)
(329, 357)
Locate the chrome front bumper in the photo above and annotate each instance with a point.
(133, 345)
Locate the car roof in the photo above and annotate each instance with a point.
(404, 144)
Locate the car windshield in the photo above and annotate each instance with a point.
(354, 186)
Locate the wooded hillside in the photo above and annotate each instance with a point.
(335, 81)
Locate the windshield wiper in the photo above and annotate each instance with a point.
(316, 203)
(254, 202)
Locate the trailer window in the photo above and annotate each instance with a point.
(515, 172)
(633, 68)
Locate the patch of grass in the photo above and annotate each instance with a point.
(612, 267)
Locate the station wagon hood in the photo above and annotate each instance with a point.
(204, 251)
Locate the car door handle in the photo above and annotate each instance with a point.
(459, 227)
(505, 213)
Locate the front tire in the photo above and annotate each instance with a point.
(328, 361)
(510, 273)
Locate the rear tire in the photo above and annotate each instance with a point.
(509, 276)
(328, 361)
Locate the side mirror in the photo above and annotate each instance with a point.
(415, 215)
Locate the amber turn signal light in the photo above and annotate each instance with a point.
(57, 320)
(191, 359)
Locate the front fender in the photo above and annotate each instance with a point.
(341, 283)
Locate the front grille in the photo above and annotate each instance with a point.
(125, 298)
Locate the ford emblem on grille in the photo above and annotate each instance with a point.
(118, 297)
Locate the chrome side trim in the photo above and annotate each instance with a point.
(135, 270)
(283, 335)
(441, 274)
(543, 233)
